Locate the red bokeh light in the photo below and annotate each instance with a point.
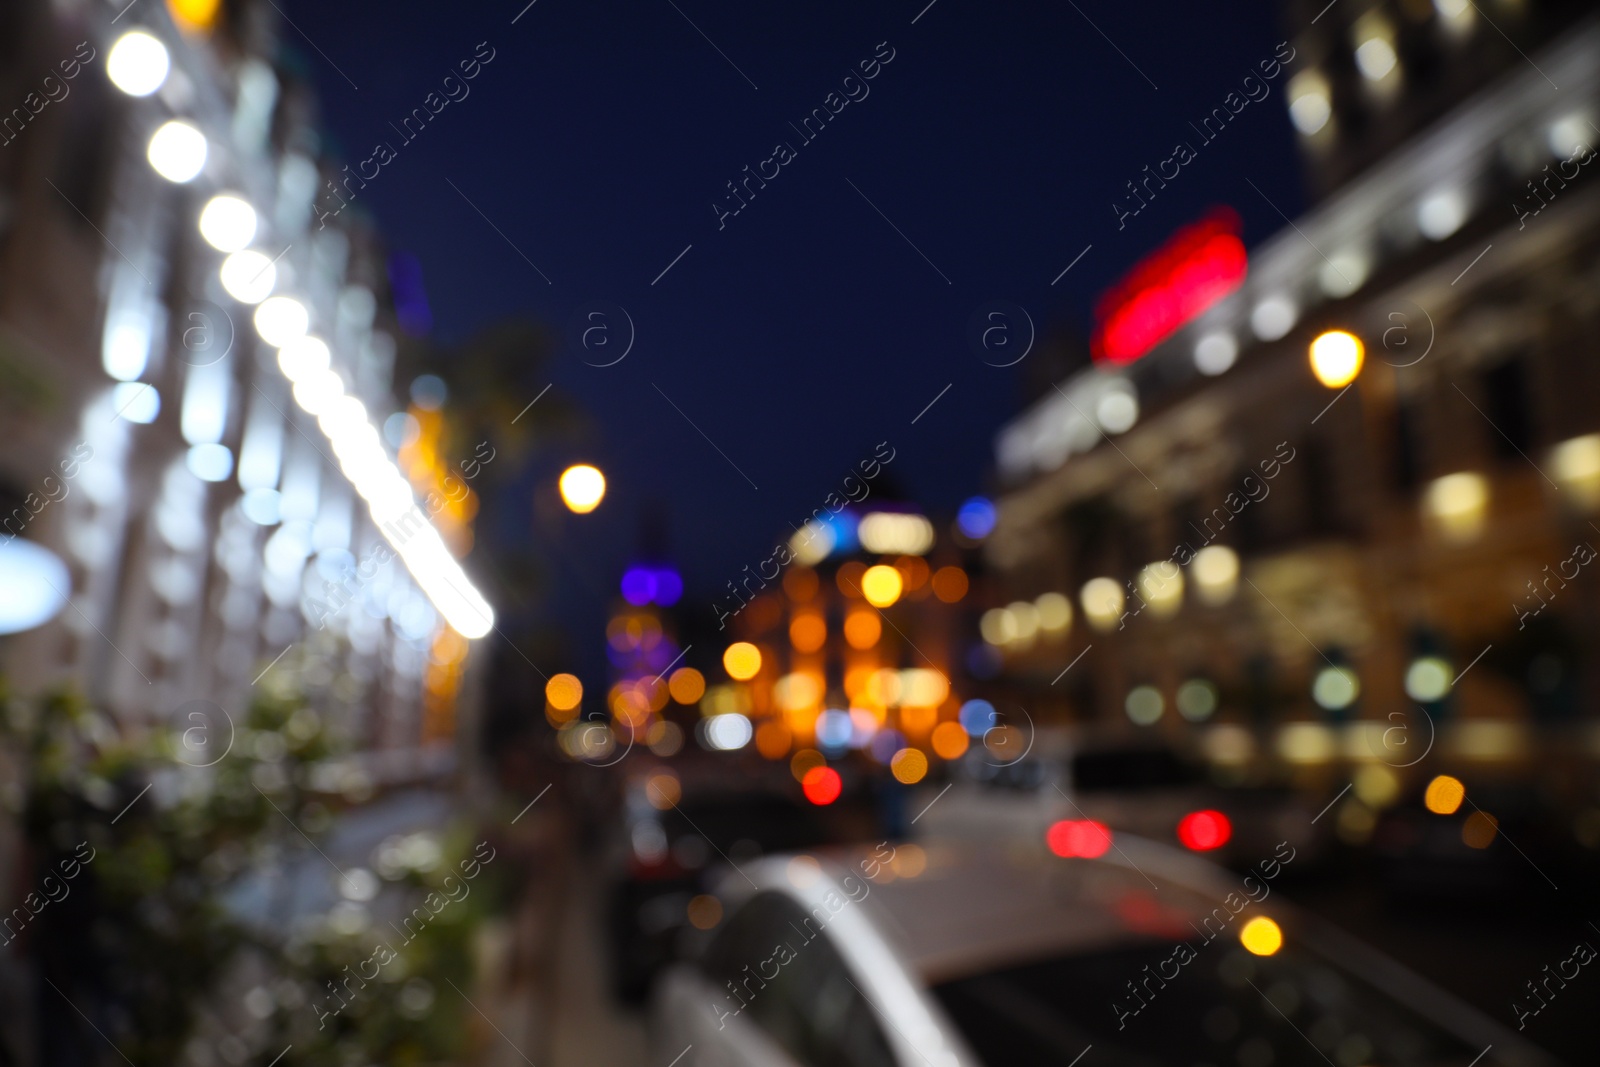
(821, 785)
(1200, 265)
(1204, 830)
(1082, 838)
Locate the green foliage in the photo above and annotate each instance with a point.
(165, 941)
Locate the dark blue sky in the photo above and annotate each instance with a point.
(808, 330)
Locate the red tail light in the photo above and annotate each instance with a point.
(1204, 830)
(821, 785)
(1083, 838)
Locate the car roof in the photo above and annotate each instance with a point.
(969, 906)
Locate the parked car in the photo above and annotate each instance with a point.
(998, 954)
(1143, 787)
(671, 850)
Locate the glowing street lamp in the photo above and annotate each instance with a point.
(582, 488)
(1336, 358)
(138, 63)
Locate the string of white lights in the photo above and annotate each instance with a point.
(138, 64)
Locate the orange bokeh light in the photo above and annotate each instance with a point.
(808, 632)
(949, 740)
(950, 584)
(773, 740)
(800, 583)
(849, 578)
(862, 629)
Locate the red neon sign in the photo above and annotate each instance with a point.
(1200, 265)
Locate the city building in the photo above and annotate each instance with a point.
(210, 488)
(1341, 514)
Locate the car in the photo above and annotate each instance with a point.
(1140, 786)
(671, 846)
(967, 954)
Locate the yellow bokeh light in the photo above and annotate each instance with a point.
(798, 691)
(862, 629)
(773, 740)
(1457, 504)
(1216, 572)
(1261, 936)
(807, 632)
(909, 861)
(194, 14)
(1576, 466)
(742, 661)
(1102, 602)
(881, 585)
(582, 488)
(949, 740)
(686, 685)
(883, 688)
(564, 692)
(909, 766)
(1444, 795)
(1054, 612)
(923, 687)
(1336, 358)
(1161, 586)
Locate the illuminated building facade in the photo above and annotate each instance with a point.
(852, 649)
(1300, 519)
(216, 486)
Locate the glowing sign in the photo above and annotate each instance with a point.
(1200, 265)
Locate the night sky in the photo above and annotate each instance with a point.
(806, 329)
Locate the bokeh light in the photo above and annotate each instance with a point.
(1078, 838)
(1444, 795)
(862, 629)
(686, 685)
(804, 762)
(807, 632)
(1335, 688)
(1144, 704)
(1205, 830)
(909, 766)
(1261, 936)
(1336, 358)
(704, 911)
(582, 488)
(881, 585)
(138, 63)
(177, 151)
(949, 740)
(950, 584)
(822, 785)
(563, 692)
(742, 661)
(976, 518)
(977, 717)
(1428, 679)
(1102, 600)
